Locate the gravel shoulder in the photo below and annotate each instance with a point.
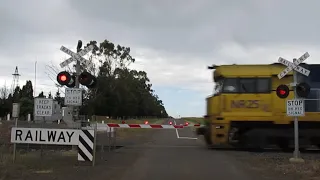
(63, 165)
(273, 165)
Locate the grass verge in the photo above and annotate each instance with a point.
(194, 120)
(32, 163)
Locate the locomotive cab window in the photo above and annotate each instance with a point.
(247, 85)
(263, 85)
(230, 85)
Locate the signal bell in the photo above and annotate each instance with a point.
(283, 91)
(66, 79)
(303, 90)
(87, 79)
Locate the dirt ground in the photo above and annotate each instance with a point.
(63, 164)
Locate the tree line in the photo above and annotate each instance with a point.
(120, 92)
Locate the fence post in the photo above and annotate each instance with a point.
(114, 137)
(15, 145)
(42, 125)
(95, 144)
(109, 138)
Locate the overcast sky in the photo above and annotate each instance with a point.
(173, 41)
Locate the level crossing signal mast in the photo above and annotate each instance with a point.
(295, 107)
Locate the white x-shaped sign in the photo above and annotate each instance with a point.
(294, 66)
(76, 56)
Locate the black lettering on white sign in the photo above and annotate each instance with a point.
(295, 107)
(43, 107)
(45, 136)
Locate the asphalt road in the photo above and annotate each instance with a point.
(177, 154)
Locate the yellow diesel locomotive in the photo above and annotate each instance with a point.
(248, 108)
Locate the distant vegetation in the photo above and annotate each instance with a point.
(196, 120)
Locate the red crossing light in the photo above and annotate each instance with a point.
(283, 91)
(65, 79)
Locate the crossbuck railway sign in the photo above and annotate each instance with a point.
(294, 66)
(76, 56)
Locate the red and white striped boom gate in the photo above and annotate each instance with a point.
(152, 126)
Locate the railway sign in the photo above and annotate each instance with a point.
(45, 136)
(295, 107)
(84, 139)
(43, 107)
(76, 56)
(294, 66)
(73, 97)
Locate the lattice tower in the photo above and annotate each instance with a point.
(15, 80)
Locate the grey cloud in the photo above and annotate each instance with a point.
(183, 31)
(199, 26)
(25, 24)
(196, 27)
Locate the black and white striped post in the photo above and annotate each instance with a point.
(87, 145)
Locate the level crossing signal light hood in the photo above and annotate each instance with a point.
(87, 79)
(302, 89)
(64, 78)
